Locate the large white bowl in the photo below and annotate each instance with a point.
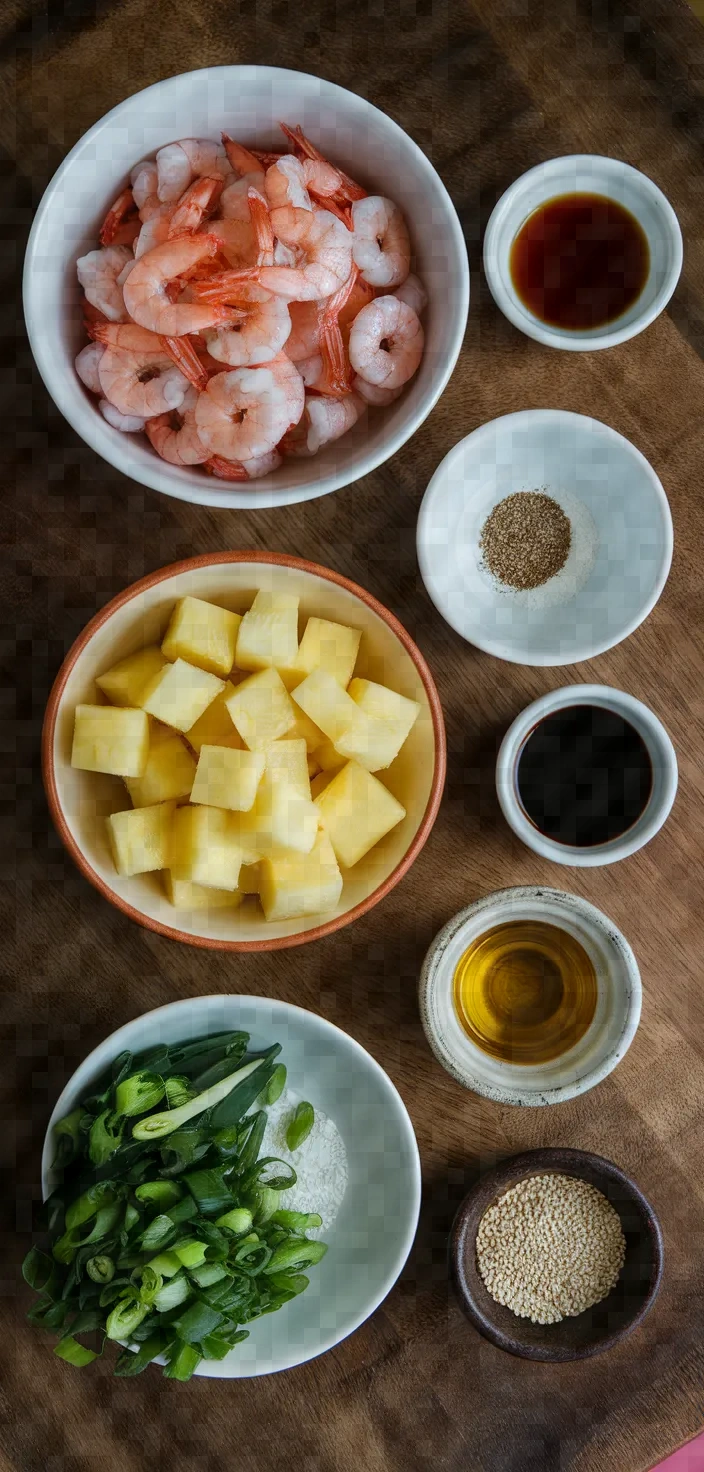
(246, 101)
(621, 537)
(372, 1236)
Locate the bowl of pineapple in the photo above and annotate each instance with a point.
(244, 751)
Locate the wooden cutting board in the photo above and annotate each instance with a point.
(487, 89)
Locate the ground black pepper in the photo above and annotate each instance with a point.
(526, 539)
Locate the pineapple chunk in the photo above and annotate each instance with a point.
(303, 727)
(282, 818)
(179, 694)
(109, 738)
(169, 771)
(328, 646)
(203, 634)
(248, 882)
(261, 709)
(328, 757)
(227, 778)
(268, 633)
(288, 760)
(186, 896)
(386, 719)
(301, 884)
(356, 811)
(124, 683)
(204, 849)
(319, 783)
(324, 700)
(140, 838)
(384, 704)
(214, 727)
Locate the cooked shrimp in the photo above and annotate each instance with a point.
(311, 370)
(179, 163)
(324, 264)
(87, 366)
(127, 423)
(98, 272)
(347, 189)
(144, 180)
(304, 341)
(381, 246)
(386, 342)
(235, 470)
(174, 435)
(146, 289)
(243, 414)
(241, 160)
(234, 203)
(285, 184)
(323, 421)
(197, 200)
(372, 393)
(156, 220)
(413, 293)
(121, 223)
(260, 326)
(336, 377)
(136, 374)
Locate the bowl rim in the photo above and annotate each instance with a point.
(508, 301)
(585, 650)
(226, 497)
(189, 564)
(403, 1115)
(507, 1174)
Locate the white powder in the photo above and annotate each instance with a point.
(320, 1162)
(575, 570)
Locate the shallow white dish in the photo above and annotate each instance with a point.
(662, 756)
(606, 1040)
(246, 101)
(585, 174)
(369, 1242)
(622, 537)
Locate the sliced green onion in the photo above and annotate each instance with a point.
(208, 1274)
(167, 1264)
(298, 1252)
(275, 1086)
(159, 1193)
(239, 1220)
(100, 1269)
(198, 1321)
(156, 1126)
(130, 1363)
(183, 1359)
(172, 1294)
(105, 1137)
(297, 1221)
(300, 1125)
(89, 1203)
(138, 1093)
(178, 1090)
(74, 1353)
(125, 1317)
(190, 1252)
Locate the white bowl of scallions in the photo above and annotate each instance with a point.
(226, 1206)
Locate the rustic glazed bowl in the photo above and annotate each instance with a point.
(80, 801)
(248, 102)
(597, 1328)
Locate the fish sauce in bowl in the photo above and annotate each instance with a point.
(580, 261)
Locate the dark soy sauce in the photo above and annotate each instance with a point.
(580, 261)
(584, 776)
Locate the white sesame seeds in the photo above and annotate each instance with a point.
(550, 1247)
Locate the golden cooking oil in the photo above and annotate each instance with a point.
(525, 992)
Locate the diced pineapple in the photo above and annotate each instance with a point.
(186, 896)
(214, 727)
(385, 721)
(248, 882)
(203, 634)
(356, 811)
(227, 778)
(261, 709)
(268, 633)
(319, 783)
(169, 771)
(288, 760)
(140, 838)
(124, 683)
(204, 848)
(282, 818)
(332, 709)
(303, 727)
(328, 757)
(180, 693)
(109, 738)
(329, 646)
(301, 884)
(384, 704)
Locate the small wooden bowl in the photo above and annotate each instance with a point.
(599, 1327)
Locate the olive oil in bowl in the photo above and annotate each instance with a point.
(525, 992)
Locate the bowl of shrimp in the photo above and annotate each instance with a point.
(245, 287)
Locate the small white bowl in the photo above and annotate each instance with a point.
(246, 101)
(660, 749)
(584, 173)
(373, 1233)
(621, 537)
(591, 1059)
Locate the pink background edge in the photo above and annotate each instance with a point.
(689, 1458)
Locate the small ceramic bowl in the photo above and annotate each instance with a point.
(248, 102)
(372, 1235)
(604, 1044)
(79, 801)
(621, 537)
(597, 1328)
(662, 756)
(585, 174)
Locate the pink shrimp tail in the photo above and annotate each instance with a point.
(117, 217)
(336, 377)
(196, 203)
(184, 355)
(262, 226)
(225, 286)
(302, 146)
(241, 159)
(225, 469)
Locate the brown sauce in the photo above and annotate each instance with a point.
(580, 261)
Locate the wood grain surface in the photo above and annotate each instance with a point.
(487, 88)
